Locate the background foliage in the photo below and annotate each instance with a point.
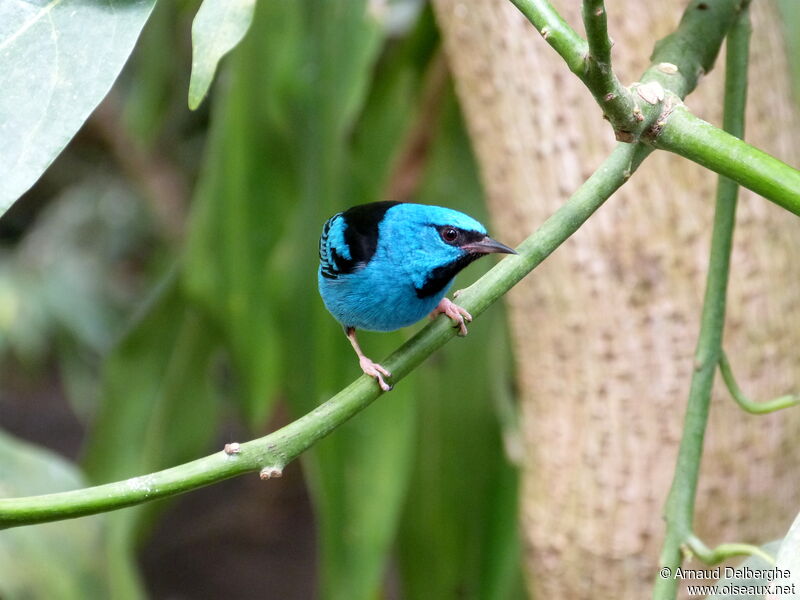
(160, 278)
(157, 299)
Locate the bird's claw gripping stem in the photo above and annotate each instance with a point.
(376, 371)
(455, 313)
(367, 365)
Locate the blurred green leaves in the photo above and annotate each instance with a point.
(316, 111)
(277, 165)
(323, 105)
(158, 410)
(58, 60)
(242, 203)
(156, 378)
(217, 28)
(790, 13)
(458, 534)
(63, 292)
(56, 560)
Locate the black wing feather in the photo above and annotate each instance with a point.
(360, 235)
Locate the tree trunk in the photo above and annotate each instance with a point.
(605, 330)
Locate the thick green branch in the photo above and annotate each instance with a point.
(689, 52)
(756, 408)
(271, 453)
(721, 150)
(679, 510)
(693, 138)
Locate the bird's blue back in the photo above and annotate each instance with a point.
(384, 265)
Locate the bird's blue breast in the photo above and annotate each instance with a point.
(376, 264)
(375, 298)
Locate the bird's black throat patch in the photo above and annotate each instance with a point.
(439, 277)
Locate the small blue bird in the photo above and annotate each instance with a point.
(386, 265)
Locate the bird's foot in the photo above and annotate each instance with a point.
(376, 371)
(454, 312)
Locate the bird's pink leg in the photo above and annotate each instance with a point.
(369, 367)
(454, 312)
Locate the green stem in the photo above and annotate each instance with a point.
(679, 510)
(591, 61)
(678, 60)
(615, 99)
(556, 32)
(595, 22)
(756, 408)
(652, 112)
(271, 453)
(725, 551)
(691, 137)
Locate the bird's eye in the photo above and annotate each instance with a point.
(449, 234)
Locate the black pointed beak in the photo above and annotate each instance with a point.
(488, 246)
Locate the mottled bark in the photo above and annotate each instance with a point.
(604, 331)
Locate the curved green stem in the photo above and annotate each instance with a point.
(679, 509)
(725, 551)
(756, 408)
(269, 454)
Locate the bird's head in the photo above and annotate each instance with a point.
(432, 243)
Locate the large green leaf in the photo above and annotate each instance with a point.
(218, 26)
(55, 560)
(58, 59)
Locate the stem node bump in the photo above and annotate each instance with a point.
(270, 473)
